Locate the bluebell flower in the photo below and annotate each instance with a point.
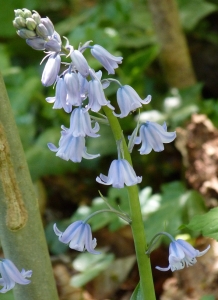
(79, 62)
(108, 61)
(96, 94)
(73, 89)
(182, 254)
(153, 136)
(60, 99)
(120, 173)
(128, 100)
(80, 123)
(51, 69)
(71, 147)
(79, 237)
(11, 275)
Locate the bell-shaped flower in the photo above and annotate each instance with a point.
(182, 254)
(120, 173)
(80, 62)
(128, 100)
(79, 237)
(84, 86)
(73, 89)
(71, 147)
(108, 61)
(51, 69)
(80, 123)
(11, 275)
(153, 136)
(60, 99)
(96, 94)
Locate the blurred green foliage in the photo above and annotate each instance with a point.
(125, 28)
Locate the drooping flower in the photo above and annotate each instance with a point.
(182, 254)
(79, 237)
(60, 99)
(51, 69)
(120, 173)
(11, 275)
(153, 136)
(79, 62)
(128, 100)
(71, 147)
(96, 94)
(80, 123)
(73, 88)
(108, 61)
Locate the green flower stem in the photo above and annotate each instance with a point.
(21, 231)
(146, 280)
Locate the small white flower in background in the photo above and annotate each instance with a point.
(153, 136)
(108, 61)
(120, 173)
(128, 100)
(11, 275)
(182, 254)
(51, 69)
(79, 237)
(80, 123)
(71, 147)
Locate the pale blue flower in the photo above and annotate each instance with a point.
(71, 147)
(60, 99)
(73, 89)
(11, 275)
(79, 237)
(182, 254)
(120, 173)
(128, 100)
(80, 123)
(51, 69)
(108, 61)
(153, 136)
(96, 94)
(79, 62)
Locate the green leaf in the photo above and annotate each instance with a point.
(137, 295)
(90, 265)
(208, 297)
(191, 12)
(181, 203)
(7, 296)
(207, 224)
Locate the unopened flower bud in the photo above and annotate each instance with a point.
(27, 13)
(20, 22)
(42, 31)
(36, 43)
(30, 24)
(19, 13)
(53, 45)
(15, 25)
(26, 34)
(36, 17)
(48, 24)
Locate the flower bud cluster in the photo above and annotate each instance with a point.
(38, 32)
